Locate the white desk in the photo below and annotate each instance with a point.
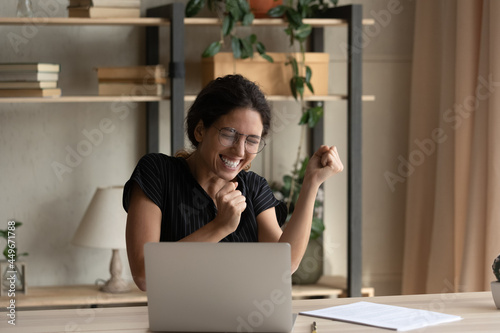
(477, 309)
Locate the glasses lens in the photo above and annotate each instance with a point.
(227, 137)
(254, 144)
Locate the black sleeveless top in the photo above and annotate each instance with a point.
(186, 207)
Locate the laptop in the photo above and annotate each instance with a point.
(222, 287)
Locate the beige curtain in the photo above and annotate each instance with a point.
(452, 227)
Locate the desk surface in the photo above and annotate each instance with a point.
(477, 309)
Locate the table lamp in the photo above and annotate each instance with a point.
(103, 226)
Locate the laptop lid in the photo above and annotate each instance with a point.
(223, 287)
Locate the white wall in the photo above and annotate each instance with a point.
(33, 136)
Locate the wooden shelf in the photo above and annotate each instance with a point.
(150, 21)
(140, 99)
(328, 98)
(275, 22)
(74, 296)
(138, 21)
(82, 99)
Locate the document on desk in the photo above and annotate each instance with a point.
(384, 316)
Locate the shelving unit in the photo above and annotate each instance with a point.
(350, 16)
(172, 16)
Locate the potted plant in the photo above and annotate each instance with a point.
(495, 285)
(13, 271)
(311, 266)
(231, 13)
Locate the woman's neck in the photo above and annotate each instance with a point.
(207, 180)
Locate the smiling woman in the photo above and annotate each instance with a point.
(208, 195)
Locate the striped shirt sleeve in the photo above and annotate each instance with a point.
(148, 175)
(264, 198)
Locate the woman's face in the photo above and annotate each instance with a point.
(227, 161)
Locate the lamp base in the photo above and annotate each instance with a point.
(115, 284)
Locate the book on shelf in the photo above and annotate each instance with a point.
(28, 84)
(34, 67)
(137, 73)
(132, 89)
(105, 3)
(30, 92)
(145, 80)
(28, 76)
(104, 12)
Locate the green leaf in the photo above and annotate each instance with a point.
(299, 86)
(295, 67)
(267, 57)
(302, 32)
(310, 87)
(212, 49)
(287, 184)
(315, 115)
(227, 25)
(293, 87)
(317, 228)
(334, 2)
(193, 7)
(244, 6)
(294, 18)
(247, 19)
(277, 11)
(246, 48)
(262, 51)
(234, 10)
(304, 119)
(236, 46)
(302, 171)
(260, 48)
(252, 39)
(308, 74)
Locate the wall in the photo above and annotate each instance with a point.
(33, 136)
(387, 51)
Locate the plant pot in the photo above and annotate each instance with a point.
(261, 7)
(495, 292)
(311, 266)
(273, 78)
(13, 278)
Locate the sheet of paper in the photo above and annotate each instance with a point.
(384, 316)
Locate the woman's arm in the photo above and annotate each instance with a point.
(297, 230)
(322, 165)
(143, 226)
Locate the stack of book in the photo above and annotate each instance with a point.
(29, 80)
(104, 8)
(131, 81)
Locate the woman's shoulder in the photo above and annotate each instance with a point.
(252, 180)
(161, 160)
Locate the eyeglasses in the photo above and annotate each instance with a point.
(228, 137)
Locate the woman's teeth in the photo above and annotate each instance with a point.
(229, 163)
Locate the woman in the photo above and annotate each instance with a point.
(207, 195)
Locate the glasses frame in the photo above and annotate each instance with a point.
(237, 139)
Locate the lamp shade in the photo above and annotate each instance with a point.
(103, 225)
